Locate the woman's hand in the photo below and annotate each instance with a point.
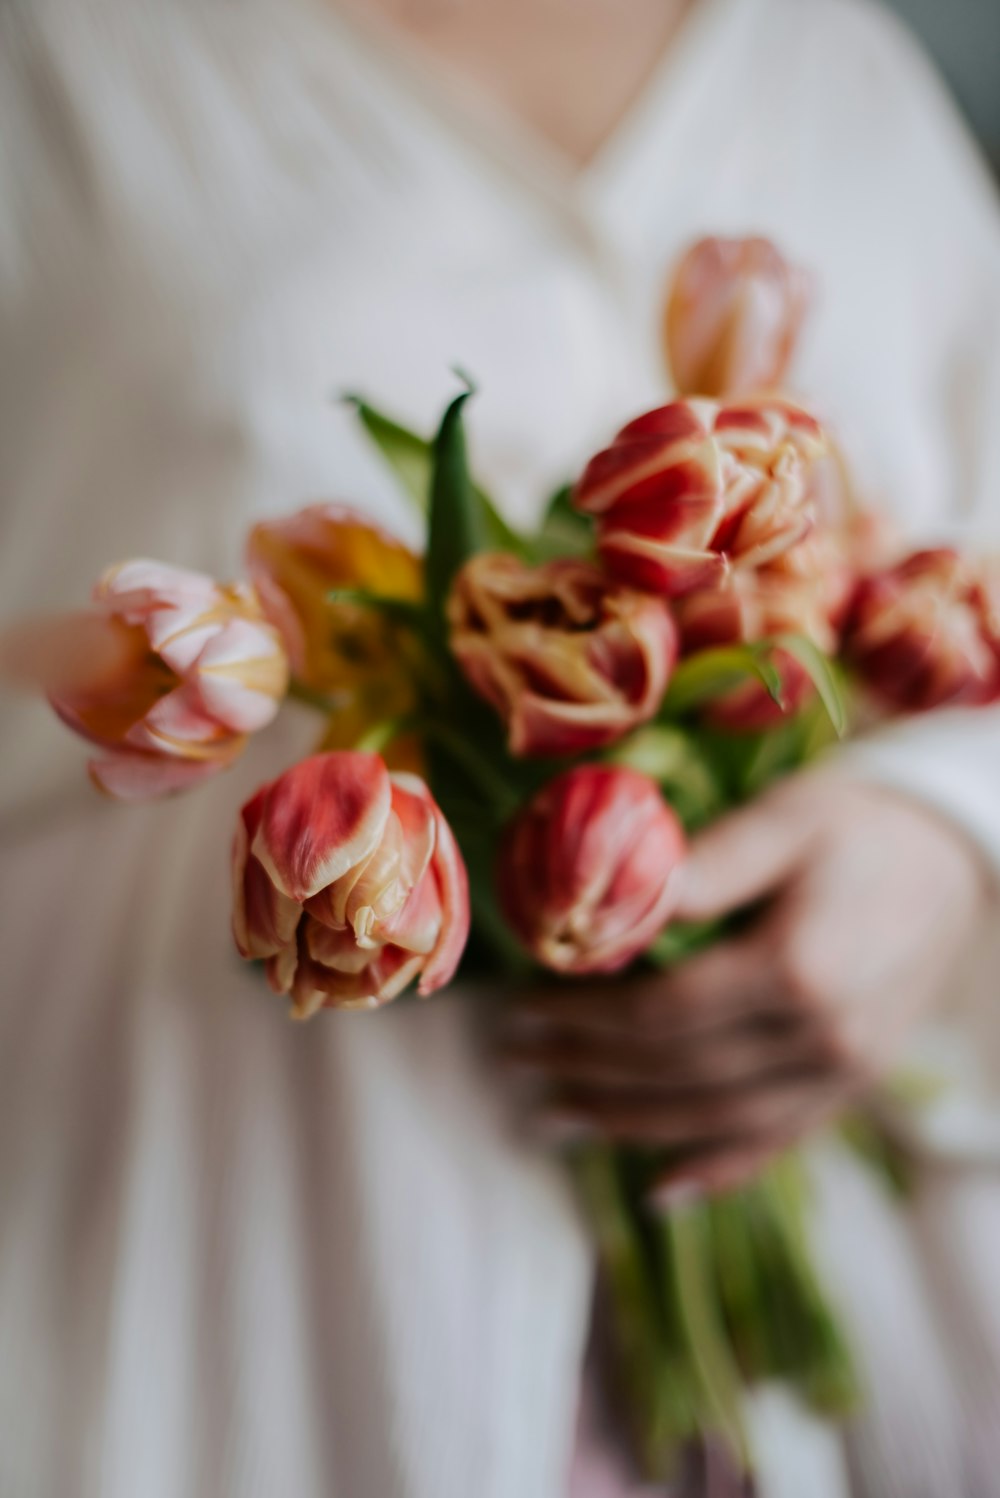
(738, 1051)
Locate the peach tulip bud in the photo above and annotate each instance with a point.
(586, 870)
(186, 669)
(569, 658)
(925, 633)
(348, 884)
(733, 317)
(692, 488)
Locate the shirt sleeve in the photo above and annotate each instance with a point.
(940, 201)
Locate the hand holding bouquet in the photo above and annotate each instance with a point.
(519, 734)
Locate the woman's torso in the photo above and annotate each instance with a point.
(242, 1258)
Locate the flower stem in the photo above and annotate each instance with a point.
(318, 700)
(501, 799)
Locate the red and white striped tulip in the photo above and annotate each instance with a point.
(178, 671)
(569, 658)
(585, 875)
(925, 633)
(348, 884)
(692, 488)
(733, 317)
(805, 591)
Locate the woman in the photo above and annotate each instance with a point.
(239, 1258)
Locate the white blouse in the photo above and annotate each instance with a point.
(241, 1258)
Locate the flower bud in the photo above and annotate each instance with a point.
(189, 668)
(733, 317)
(569, 658)
(925, 633)
(586, 870)
(690, 489)
(348, 884)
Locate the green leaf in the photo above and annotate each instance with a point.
(674, 759)
(564, 532)
(457, 529)
(400, 610)
(821, 670)
(712, 673)
(681, 939)
(656, 1373)
(412, 460)
(686, 1258)
(382, 734)
(499, 535)
(408, 455)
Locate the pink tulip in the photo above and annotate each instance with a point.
(570, 659)
(925, 633)
(186, 668)
(586, 869)
(733, 317)
(690, 489)
(348, 884)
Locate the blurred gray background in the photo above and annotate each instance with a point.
(964, 38)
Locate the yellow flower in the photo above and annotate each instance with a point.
(355, 655)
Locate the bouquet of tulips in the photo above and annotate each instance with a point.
(520, 732)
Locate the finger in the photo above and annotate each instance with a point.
(741, 1054)
(741, 1117)
(732, 979)
(744, 856)
(711, 1172)
(715, 1169)
(65, 653)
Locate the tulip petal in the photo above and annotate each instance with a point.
(144, 777)
(141, 587)
(178, 724)
(296, 561)
(321, 818)
(242, 675)
(449, 873)
(264, 920)
(688, 489)
(733, 316)
(74, 655)
(585, 873)
(382, 979)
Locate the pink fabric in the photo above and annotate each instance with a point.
(599, 1467)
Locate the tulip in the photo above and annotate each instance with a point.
(355, 654)
(570, 659)
(690, 489)
(586, 870)
(805, 591)
(733, 317)
(348, 884)
(925, 633)
(182, 669)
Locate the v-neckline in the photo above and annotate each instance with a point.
(502, 131)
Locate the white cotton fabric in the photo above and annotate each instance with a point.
(245, 1259)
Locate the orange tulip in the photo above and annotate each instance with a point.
(354, 654)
